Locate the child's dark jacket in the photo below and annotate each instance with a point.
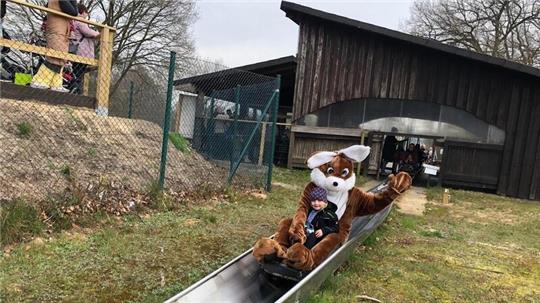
(326, 219)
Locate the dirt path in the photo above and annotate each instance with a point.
(413, 201)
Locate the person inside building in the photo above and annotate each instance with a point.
(422, 154)
(49, 74)
(411, 155)
(389, 149)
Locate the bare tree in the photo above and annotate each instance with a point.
(507, 29)
(146, 31)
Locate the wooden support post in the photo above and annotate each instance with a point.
(291, 147)
(261, 145)
(104, 72)
(86, 84)
(446, 196)
(178, 113)
(366, 165)
(362, 139)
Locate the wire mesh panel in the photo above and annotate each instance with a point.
(226, 114)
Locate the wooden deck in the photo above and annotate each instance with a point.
(26, 93)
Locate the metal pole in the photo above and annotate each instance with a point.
(210, 128)
(262, 144)
(167, 121)
(273, 136)
(235, 130)
(130, 106)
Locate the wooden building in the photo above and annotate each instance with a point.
(353, 76)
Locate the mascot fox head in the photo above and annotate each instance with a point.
(334, 171)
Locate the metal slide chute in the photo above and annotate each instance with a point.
(243, 280)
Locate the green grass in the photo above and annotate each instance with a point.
(179, 142)
(481, 248)
(126, 260)
(92, 152)
(25, 129)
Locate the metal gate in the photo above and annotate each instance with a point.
(236, 128)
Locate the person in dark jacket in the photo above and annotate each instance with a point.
(322, 219)
(2, 8)
(389, 150)
(4, 50)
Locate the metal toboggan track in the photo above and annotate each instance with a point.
(242, 279)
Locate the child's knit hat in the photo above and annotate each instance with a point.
(318, 193)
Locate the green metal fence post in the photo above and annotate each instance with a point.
(167, 121)
(273, 136)
(235, 131)
(210, 126)
(130, 106)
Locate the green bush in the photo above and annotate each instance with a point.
(19, 220)
(92, 152)
(25, 129)
(179, 142)
(66, 170)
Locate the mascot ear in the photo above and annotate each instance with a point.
(320, 158)
(356, 152)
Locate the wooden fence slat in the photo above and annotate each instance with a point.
(510, 137)
(31, 48)
(298, 109)
(318, 73)
(531, 129)
(58, 13)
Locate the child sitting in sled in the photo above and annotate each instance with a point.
(322, 219)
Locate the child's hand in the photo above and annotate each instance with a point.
(318, 233)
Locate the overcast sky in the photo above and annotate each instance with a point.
(243, 32)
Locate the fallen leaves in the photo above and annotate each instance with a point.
(259, 194)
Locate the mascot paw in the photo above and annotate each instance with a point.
(265, 248)
(299, 257)
(297, 235)
(400, 182)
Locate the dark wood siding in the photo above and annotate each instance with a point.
(338, 63)
(485, 172)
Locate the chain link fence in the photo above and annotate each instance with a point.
(74, 129)
(229, 117)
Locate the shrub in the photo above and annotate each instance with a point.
(25, 129)
(92, 152)
(19, 220)
(66, 170)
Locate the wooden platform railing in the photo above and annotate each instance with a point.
(103, 63)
